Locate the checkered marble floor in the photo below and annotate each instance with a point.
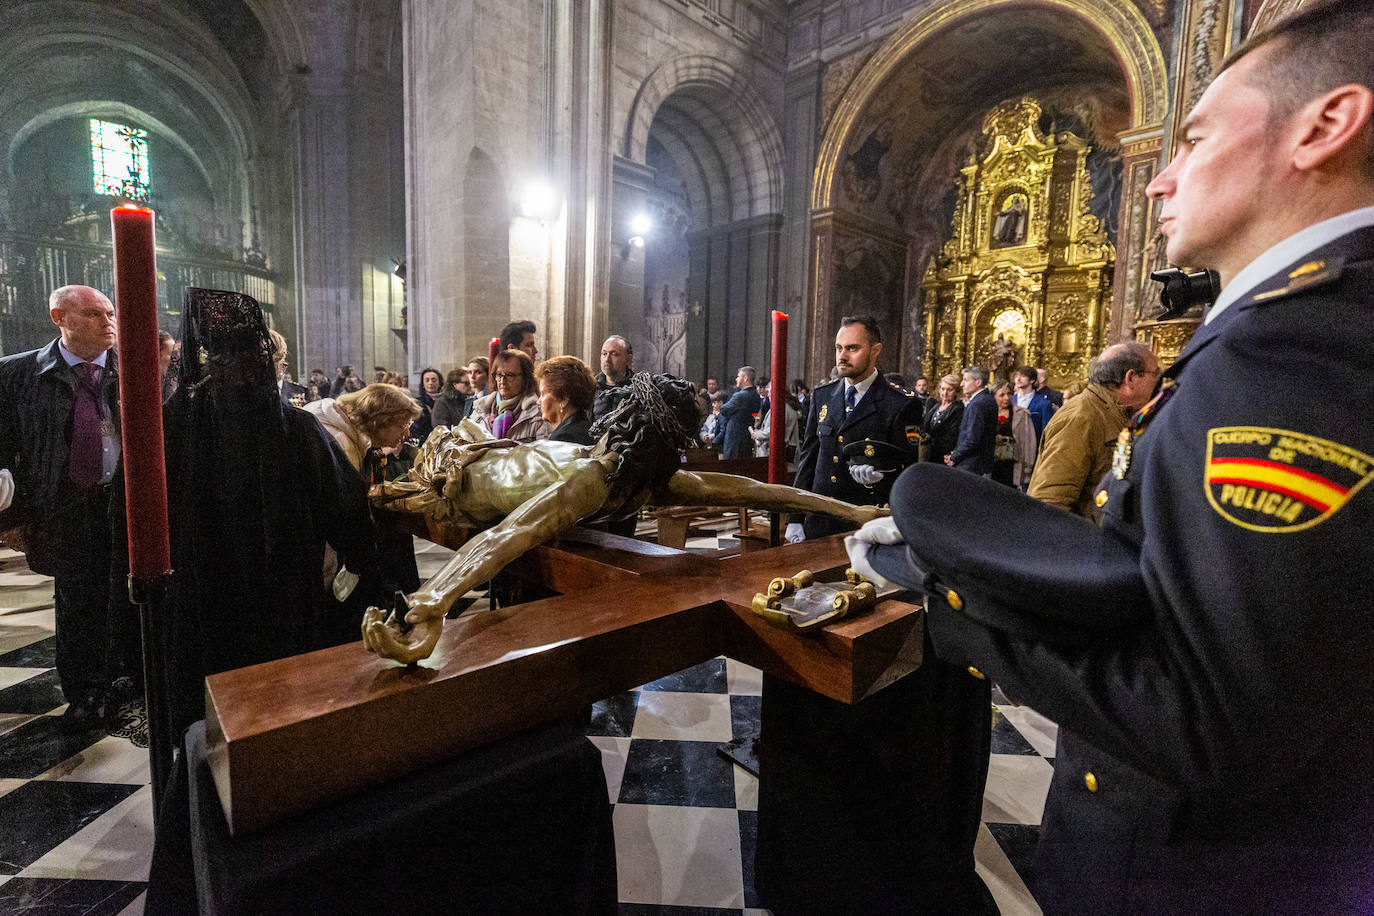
(76, 826)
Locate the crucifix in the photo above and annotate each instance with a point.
(297, 733)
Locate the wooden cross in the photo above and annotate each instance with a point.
(297, 733)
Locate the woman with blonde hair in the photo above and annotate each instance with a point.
(940, 427)
(379, 416)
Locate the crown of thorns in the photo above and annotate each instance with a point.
(646, 395)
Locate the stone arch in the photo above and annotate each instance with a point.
(708, 91)
(1120, 23)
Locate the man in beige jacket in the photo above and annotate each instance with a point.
(1076, 448)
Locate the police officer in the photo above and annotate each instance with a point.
(879, 422)
(1207, 667)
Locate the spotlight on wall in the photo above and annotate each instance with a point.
(539, 201)
(640, 224)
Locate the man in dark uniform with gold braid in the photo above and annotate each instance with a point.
(894, 782)
(1205, 652)
(860, 406)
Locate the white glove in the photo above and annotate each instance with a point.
(795, 533)
(865, 474)
(344, 583)
(6, 489)
(879, 531)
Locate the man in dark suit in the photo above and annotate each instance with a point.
(1205, 666)
(59, 435)
(738, 416)
(978, 428)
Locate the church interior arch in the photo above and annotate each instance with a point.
(884, 190)
(698, 291)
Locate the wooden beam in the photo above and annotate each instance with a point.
(299, 732)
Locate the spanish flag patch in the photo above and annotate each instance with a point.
(1278, 481)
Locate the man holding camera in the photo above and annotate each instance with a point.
(1204, 650)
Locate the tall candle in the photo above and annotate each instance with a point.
(777, 401)
(495, 348)
(140, 391)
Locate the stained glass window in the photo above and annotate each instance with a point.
(119, 160)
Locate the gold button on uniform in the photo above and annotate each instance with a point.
(835, 458)
(841, 438)
(1090, 781)
(954, 600)
(976, 673)
(833, 480)
(1101, 499)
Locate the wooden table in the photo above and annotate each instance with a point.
(296, 733)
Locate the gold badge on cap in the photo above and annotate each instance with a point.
(868, 451)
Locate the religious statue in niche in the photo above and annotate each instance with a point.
(1001, 357)
(860, 175)
(513, 497)
(1009, 225)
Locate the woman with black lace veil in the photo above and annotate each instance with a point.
(255, 490)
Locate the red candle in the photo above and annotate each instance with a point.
(495, 348)
(140, 391)
(777, 401)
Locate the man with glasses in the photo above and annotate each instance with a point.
(1076, 448)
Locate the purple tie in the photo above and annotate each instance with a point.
(85, 463)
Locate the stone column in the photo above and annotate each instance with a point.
(801, 103)
(629, 197)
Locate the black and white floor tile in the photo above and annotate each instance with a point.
(76, 813)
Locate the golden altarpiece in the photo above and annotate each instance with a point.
(1026, 274)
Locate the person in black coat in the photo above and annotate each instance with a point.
(455, 401)
(943, 417)
(978, 426)
(60, 515)
(1203, 667)
(567, 391)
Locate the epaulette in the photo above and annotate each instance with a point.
(900, 389)
(819, 385)
(1304, 276)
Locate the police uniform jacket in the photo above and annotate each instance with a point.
(1212, 688)
(887, 413)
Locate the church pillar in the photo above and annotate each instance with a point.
(802, 89)
(585, 152)
(820, 353)
(328, 286)
(629, 198)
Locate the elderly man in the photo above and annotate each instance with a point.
(1203, 651)
(1076, 449)
(59, 436)
(617, 362)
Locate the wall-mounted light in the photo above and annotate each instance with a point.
(539, 201)
(640, 224)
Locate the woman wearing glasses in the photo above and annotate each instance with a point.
(511, 411)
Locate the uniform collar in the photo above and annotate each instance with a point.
(1286, 252)
(861, 387)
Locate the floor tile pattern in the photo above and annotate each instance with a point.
(76, 814)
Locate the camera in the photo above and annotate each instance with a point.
(1183, 290)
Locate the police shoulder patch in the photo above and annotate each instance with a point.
(1277, 481)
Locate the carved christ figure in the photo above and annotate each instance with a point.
(517, 496)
